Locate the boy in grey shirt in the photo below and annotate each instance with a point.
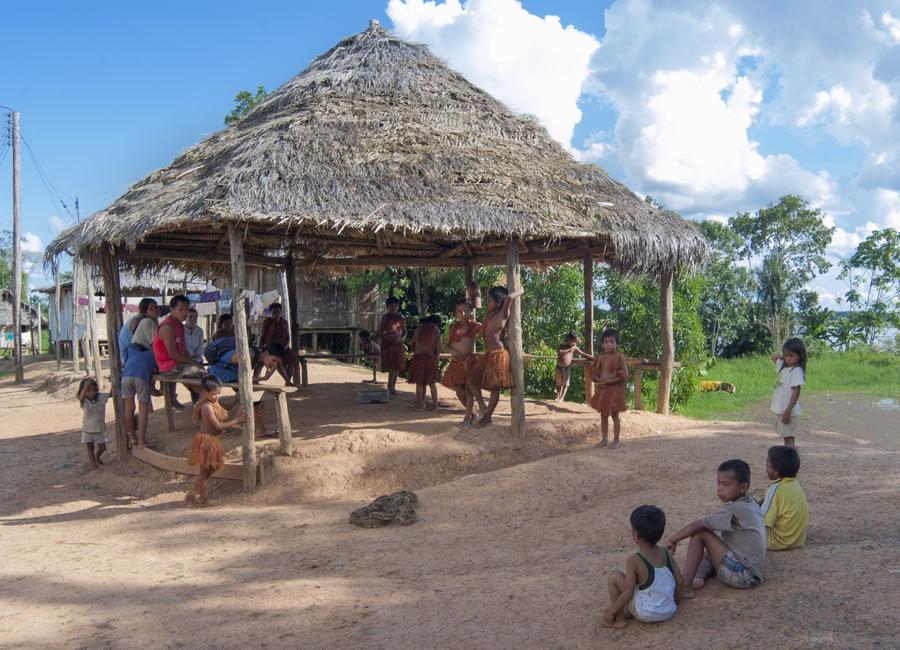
(737, 557)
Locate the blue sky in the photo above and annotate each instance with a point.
(712, 107)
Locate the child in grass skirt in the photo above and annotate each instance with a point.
(206, 450)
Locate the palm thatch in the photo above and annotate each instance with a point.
(379, 150)
(144, 283)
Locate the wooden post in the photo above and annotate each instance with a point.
(293, 308)
(285, 432)
(469, 272)
(588, 344)
(109, 264)
(285, 302)
(514, 339)
(17, 253)
(667, 359)
(245, 370)
(57, 300)
(638, 381)
(75, 290)
(92, 326)
(40, 336)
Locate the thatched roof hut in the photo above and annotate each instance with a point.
(378, 149)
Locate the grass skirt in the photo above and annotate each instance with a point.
(206, 452)
(609, 399)
(456, 372)
(424, 369)
(492, 371)
(392, 356)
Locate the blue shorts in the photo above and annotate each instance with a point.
(227, 372)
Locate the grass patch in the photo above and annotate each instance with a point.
(849, 372)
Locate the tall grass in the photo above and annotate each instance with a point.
(754, 377)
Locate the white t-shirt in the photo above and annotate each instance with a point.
(193, 341)
(94, 420)
(788, 378)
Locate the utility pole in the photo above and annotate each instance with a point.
(17, 255)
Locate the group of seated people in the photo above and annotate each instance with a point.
(174, 348)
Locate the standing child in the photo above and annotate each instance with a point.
(206, 450)
(791, 367)
(93, 422)
(461, 347)
(784, 508)
(391, 333)
(737, 557)
(372, 351)
(565, 353)
(610, 373)
(650, 588)
(424, 371)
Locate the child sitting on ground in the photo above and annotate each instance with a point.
(372, 351)
(737, 557)
(93, 422)
(784, 508)
(610, 373)
(564, 356)
(206, 450)
(791, 367)
(424, 371)
(650, 588)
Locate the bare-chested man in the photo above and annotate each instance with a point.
(424, 371)
(391, 332)
(461, 347)
(492, 372)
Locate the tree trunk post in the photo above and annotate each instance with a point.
(588, 344)
(75, 291)
(245, 370)
(667, 360)
(514, 339)
(291, 277)
(92, 326)
(286, 304)
(57, 302)
(113, 290)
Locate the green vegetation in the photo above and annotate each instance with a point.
(874, 373)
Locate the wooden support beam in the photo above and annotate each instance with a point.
(285, 432)
(514, 339)
(588, 344)
(667, 358)
(638, 380)
(113, 291)
(293, 309)
(245, 369)
(76, 288)
(92, 326)
(286, 303)
(57, 324)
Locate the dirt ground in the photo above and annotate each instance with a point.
(511, 550)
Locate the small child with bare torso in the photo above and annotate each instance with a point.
(424, 371)
(372, 351)
(461, 347)
(565, 354)
(391, 332)
(610, 373)
(492, 372)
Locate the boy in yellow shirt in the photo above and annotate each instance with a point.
(784, 508)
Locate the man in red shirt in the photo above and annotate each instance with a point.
(168, 345)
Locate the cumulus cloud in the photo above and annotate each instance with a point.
(533, 64)
(31, 243)
(56, 224)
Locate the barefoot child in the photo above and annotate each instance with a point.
(737, 557)
(424, 371)
(565, 353)
(610, 374)
(93, 422)
(791, 367)
(650, 588)
(206, 450)
(372, 351)
(461, 347)
(391, 332)
(784, 508)
(492, 372)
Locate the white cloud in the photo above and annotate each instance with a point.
(532, 64)
(838, 99)
(892, 25)
(31, 243)
(56, 224)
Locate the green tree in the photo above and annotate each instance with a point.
(812, 318)
(244, 102)
(29, 260)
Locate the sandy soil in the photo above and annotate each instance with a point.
(512, 548)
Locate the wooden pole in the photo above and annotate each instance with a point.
(40, 339)
(75, 290)
(92, 326)
(113, 290)
(285, 302)
(588, 344)
(667, 359)
(514, 339)
(17, 255)
(57, 301)
(245, 371)
(293, 308)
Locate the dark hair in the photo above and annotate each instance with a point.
(145, 304)
(434, 319)
(465, 302)
(193, 311)
(798, 347)
(738, 467)
(498, 294)
(276, 305)
(785, 460)
(364, 335)
(392, 301)
(176, 300)
(85, 381)
(211, 382)
(572, 335)
(224, 318)
(276, 350)
(649, 522)
(610, 333)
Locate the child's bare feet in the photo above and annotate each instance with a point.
(698, 583)
(614, 445)
(484, 422)
(604, 442)
(617, 624)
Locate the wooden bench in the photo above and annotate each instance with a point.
(285, 433)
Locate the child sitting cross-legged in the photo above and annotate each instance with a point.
(784, 507)
(650, 588)
(737, 557)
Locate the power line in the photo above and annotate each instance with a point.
(48, 184)
(4, 149)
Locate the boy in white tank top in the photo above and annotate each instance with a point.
(650, 587)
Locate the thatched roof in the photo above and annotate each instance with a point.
(377, 150)
(144, 283)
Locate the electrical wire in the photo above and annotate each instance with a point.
(4, 149)
(45, 180)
